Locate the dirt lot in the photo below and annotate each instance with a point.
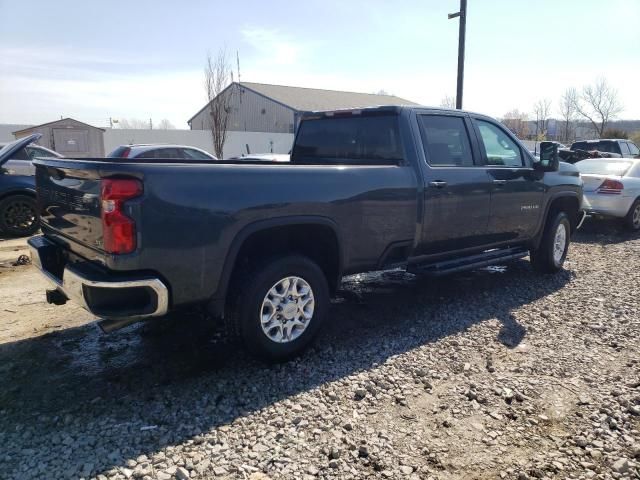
(499, 373)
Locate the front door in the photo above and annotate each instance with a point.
(457, 189)
(517, 189)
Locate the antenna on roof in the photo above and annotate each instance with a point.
(238, 64)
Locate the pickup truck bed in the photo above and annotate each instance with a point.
(364, 190)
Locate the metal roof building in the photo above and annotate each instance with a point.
(259, 107)
(68, 137)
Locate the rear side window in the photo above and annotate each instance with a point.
(500, 149)
(356, 139)
(170, 153)
(633, 148)
(446, 141)
(604, 146)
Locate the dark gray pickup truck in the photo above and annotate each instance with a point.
(264, 245)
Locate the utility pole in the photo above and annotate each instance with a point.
(150, 124)
(461, 38)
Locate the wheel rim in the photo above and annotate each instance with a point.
(19, 215)
(635, 219)
(559, 243)
(287, 309)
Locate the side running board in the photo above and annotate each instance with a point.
(460, 264)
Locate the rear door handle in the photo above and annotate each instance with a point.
(499, 183)
(438, 184)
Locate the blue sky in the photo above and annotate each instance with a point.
(123, 59)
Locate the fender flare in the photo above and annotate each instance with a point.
(218, 300)
(18, 191)
(562, 194)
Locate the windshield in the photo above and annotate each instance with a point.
(603, 167)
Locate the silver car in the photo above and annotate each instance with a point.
(612, 188)
(161, 151)
(20, 161)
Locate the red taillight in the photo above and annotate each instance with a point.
(611, 187)
(118, 230)
(125, 153)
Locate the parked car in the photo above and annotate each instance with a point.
(177, 152)
(18, 210)
(20, 162)
(265, 246)
(621, 147)
(612, 188)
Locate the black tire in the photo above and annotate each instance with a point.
(19, 215)
(246, 307)
(632, 220)
(543, 258)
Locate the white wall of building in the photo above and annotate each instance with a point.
(235, 145)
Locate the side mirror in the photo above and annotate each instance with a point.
(549, 158)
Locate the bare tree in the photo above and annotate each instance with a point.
(598, 103)
(217, 77)
(541, 110)
(516, 121)
(568, 113)
(133, 124)
(166, 125)
(448, 102)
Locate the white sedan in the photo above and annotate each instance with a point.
(612, 188)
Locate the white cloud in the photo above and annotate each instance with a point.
(41, 85)
(272, 46)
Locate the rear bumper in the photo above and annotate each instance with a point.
(103, 295)
(607, 205)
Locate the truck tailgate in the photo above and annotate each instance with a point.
(69, 203)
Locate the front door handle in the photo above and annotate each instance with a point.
(438, 184)
(499, 183)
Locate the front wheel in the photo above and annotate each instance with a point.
(550, 255)
(19, 215)
(279, 306)
(632, 219)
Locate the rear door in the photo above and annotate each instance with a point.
(457, 190)
(516, 189)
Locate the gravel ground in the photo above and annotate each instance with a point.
(499, 373)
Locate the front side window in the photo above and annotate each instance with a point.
(446, 141)
(633, 148)
(501, 150)
(348, 139)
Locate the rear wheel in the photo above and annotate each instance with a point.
(279, 306)
(19, 215)
(550, 255)
(632, 220)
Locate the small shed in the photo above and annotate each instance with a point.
(68, 137)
